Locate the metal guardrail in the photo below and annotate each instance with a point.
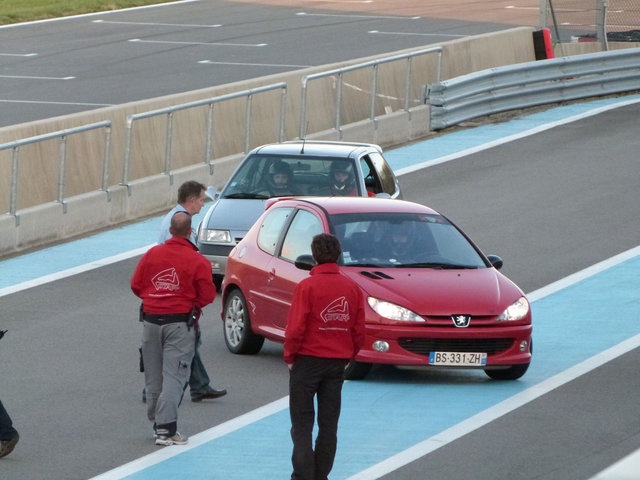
(62, 136)
(532, 83)
(210, 103)
(373, 89)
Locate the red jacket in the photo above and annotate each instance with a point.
(326, 318)
(173, 277)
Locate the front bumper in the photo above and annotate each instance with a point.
(410, 346)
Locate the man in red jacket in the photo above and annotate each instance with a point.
(325, 330)
(174, 282)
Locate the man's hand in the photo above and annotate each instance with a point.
(290, 365)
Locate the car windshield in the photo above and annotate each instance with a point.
(265, 176)
(403, 240)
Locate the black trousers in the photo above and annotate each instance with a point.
(7, 432)
(313, 377)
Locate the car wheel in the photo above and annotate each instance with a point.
(238, 335)
(511, 373)
(356, 370)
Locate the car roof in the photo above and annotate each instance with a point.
(336, 205)
(318, 148)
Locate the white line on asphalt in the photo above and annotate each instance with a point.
(31, 77)
(18, 54)
(219, 44)
(378, 32)
(159, 24)
(107, 12)
(211, 62)
(73, 271)
(373, 17)
(42, 102)
(196, 440)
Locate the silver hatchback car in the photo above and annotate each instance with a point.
(296, 168)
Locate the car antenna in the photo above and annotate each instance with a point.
(304, 139)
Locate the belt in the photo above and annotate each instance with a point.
(162, 319)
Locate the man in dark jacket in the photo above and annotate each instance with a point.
(174, 282)
(325, 330)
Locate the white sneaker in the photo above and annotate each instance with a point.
(176, 439)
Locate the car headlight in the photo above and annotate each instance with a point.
(393, 312)
(516, 311)
(215, 236)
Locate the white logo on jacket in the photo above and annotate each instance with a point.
(166, 280)
(336, 311)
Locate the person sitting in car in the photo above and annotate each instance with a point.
(342, 180)
(280, 180)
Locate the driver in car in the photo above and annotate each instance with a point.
(279, 181)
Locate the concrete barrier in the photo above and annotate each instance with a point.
(41, 220)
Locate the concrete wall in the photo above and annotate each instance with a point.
(41, 219)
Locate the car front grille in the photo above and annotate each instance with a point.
(423, 346)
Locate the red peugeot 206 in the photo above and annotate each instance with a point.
(433, 299)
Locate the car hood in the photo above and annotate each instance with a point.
(237, 214)
(483, 291)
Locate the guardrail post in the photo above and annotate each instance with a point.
(62, 161)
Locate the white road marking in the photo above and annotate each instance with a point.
(41, 102)
(18, 54)
(106, 12)
(211, 62)
(373, 17)
(378, 32)
(73, 271)
(158, 24)
(31, 77)
(219, 44)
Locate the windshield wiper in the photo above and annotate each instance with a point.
(247, 195)
(436, 265)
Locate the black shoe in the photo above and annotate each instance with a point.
(7, 446)
(212, 393)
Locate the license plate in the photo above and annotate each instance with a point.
(458, 359)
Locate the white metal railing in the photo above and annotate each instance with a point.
(533, 83)
(210, 103)
(373, 89)
(62, 137)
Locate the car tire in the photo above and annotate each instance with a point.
(356, 370)
(512, 373)
(238, 335)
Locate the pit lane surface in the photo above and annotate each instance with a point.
(551, 204)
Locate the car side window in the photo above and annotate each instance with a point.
(271, 229)
(297, 241)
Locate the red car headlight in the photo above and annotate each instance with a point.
(516, 311)
(393, 312)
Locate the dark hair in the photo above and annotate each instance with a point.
(181, 225)
(325, 248)
(188, 189)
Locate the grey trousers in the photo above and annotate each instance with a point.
(167, 351)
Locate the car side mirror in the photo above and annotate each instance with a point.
(496, 261)
(213, 193)
(305, 262)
